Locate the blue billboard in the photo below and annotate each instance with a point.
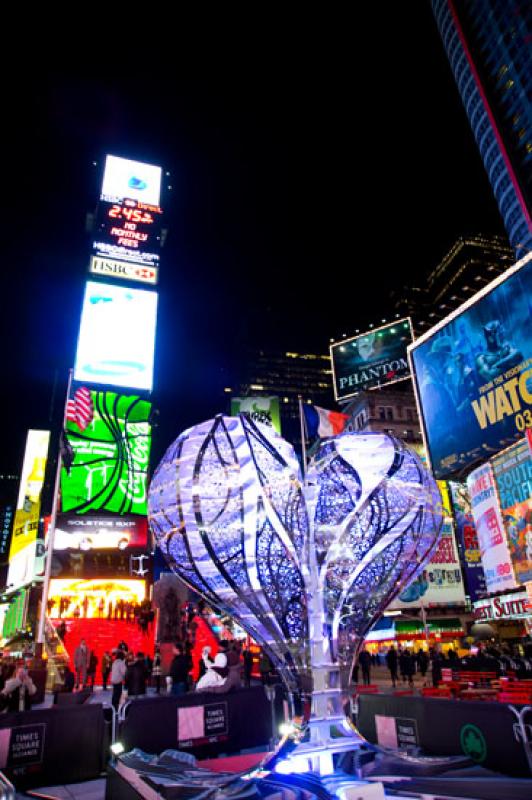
(473, 374)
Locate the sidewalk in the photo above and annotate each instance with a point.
(380, 676)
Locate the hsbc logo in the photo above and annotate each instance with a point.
(122, 269)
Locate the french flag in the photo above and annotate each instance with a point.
(321, 422)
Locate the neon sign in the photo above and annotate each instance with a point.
(128, 229)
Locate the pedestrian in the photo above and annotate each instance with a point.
(265, 668)
(106, 668)
(179, 670)
(118, 674)
(18, 689)
(136, 675)
(407, 666)
(364, 659)
(247, 656)
(437, 662)
(391, 663)
(423, 663)
(81, 663)
(91, 670)
(156, 669)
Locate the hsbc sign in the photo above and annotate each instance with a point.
(123, 270)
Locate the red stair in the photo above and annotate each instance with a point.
(105, 634)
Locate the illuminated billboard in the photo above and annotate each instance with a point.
(490, 530)
(22, 553)
(128, 230)
(513, 476)
(93, 598)
(117, 336)
(467, 536)
(123, 270)
(372, 359)
(111, 454)
(133, 179)
(75, 532)
(260, 409)
(473, 374)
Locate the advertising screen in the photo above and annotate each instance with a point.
(94, 598)
(22, 552)
(467, 536)
(75, 532)
(117, 336)
(440, 583)
(372, 359)
(490, 530)
(473, 374)
(513, 476)
(111, 448)
(134, 179)
(259, 409)
(128, 230)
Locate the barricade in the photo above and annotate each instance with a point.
(55, 745)
(489, 733)
(206, 725)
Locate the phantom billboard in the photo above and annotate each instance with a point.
(473, 374)
(371, 360)
(111, 452)
(117, 336)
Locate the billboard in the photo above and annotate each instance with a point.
(468, 539)
(473, 374)
(22, 552)
(259, 409)
(75, 532)
(133, 179)
(372, 359)
(490, 530)
(111, 449)
(513, 476)
(93, 597)
(117, 336)
(440, 582)
(129, 230)
(123, 270)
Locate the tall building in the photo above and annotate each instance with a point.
(472, 262)
(287, 376)
(488, 46)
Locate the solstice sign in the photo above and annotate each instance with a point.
(371, 360)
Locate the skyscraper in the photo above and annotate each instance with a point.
(488, 45)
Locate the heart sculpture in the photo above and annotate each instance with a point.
(305, 567)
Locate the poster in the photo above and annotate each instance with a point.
(473, 375)
(467, 537)
(513, 476)
(490, 530)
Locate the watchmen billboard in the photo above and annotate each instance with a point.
(473, 374)
(372, 359)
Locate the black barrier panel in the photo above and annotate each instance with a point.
(486, 732)
(53, 746)
(199, 723)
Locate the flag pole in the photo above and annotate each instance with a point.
(303, 435)
(51, 528)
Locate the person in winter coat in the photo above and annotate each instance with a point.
(156, 670)
(136, 676)
(81, 663)
(364, 659)
(391, 663)
(18, 689)
(118, 675)
(407, 666)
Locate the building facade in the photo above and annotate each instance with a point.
(488, 46)
(389, 410)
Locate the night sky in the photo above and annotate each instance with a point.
(315, 166)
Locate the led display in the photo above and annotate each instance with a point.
(260, 409)
(130, 230)
(75, 532)
(473, 375)
(117, 336)
(372, 359)
(111, 451)
(134, 179)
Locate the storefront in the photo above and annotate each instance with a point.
(510, 615)
(443, 633)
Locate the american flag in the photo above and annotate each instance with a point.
(80, 408)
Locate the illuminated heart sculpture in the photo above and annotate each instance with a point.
(306, 568)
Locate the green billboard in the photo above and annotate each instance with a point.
(260, 409)
(111, 453)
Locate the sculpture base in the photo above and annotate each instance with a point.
(317, 754)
